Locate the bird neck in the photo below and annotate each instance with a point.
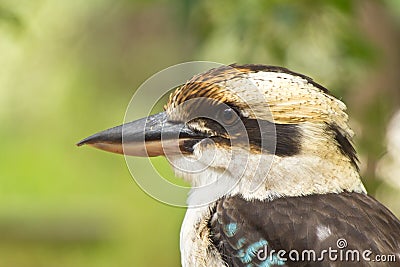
(266, 177)
(306, 175)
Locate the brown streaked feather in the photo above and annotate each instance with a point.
(206, 84)
(269, 68)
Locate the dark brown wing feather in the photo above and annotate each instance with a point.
(240, 228)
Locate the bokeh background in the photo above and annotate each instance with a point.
(69, 69)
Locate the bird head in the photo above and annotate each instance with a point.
(255, 130)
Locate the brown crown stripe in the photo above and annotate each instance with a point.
(208, 83)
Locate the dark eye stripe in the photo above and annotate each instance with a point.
(344, 144)
(263, 135)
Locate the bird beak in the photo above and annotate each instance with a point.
(152, 136)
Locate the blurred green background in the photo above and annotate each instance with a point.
(69, 69)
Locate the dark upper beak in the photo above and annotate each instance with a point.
(147, 137)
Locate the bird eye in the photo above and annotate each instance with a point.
(229, 116)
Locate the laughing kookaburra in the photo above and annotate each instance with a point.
(277, 149)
